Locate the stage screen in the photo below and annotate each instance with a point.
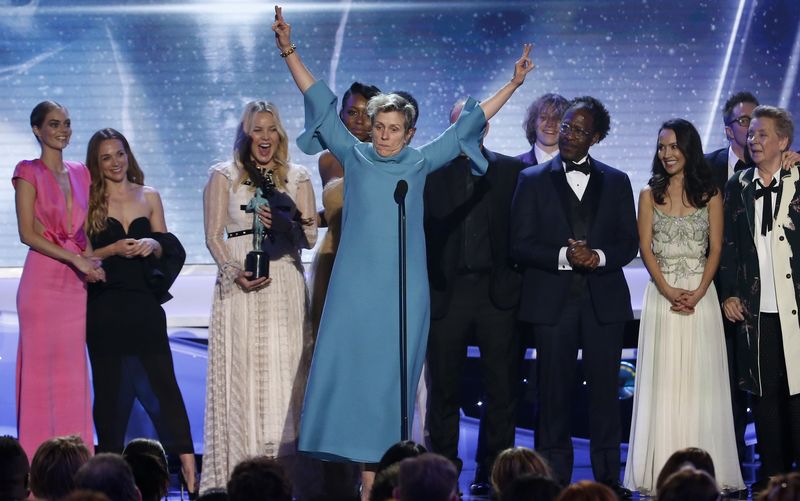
(173, 76)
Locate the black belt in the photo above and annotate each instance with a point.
(240, 233)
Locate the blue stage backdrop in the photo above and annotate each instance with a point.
(173, 75)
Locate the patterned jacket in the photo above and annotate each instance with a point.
(740, 274)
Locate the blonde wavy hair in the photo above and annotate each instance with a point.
(98, 198)
(242, 146)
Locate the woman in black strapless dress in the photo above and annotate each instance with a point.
(126, 326)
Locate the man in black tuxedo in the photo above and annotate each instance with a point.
(736, 116)
(760, 289)
(724, 162)
(541, 128)
(474, 297)
(573, 228)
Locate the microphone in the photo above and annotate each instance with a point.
(400, 191)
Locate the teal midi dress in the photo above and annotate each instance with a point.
(351, 409)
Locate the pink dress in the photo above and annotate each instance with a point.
(53, 388)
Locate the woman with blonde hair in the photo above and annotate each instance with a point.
(259, 334)
(514, 462)
(126, 325)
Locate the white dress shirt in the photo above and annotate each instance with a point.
(577, 181)
(769, 301)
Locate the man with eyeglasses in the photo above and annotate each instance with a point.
(541, 128)
(573, 228)
(736, 116)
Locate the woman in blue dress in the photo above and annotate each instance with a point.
(352, 403)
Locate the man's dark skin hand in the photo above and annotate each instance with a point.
(579, 255)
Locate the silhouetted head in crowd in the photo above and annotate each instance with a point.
(398, 452)
(428, 477)
(216, 494)
(586, 490)
(781, 488)
(692, 456)
(14, 469)
(689, 483)
(531, 486)
(86, 495)
(386, 481)
(148, 461)
(54, 465)
(259, 479)
(514, 462)
(109, 474)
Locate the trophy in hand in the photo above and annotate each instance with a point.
(257, 261)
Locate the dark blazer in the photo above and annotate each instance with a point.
(445, 210)
(540, 226)
(718, 161)
(739, 268)
(528, 158)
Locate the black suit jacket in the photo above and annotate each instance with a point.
(718, 161)
(540, 227)
(529, 157)
(445, 209)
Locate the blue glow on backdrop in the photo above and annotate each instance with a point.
(173, 76)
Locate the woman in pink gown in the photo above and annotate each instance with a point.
(53, 390)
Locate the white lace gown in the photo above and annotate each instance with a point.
(259, 343)
(682, 395)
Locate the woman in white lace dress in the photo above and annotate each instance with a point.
(682, 397)
(259, 335)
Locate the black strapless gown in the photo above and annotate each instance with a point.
(126, 333)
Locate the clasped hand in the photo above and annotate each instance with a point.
(579, 255)
(682, 300)
(133, 247)
(91, 267)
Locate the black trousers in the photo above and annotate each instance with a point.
(740, 400)
(557, 349)
(777, 414)
(472, 316)
(150, 378)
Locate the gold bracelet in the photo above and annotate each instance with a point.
(290, 51)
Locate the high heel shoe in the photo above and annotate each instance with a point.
(192, 495)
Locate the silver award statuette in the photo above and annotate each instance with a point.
(257, 261)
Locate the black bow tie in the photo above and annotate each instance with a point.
(766, 214)
(584, 167)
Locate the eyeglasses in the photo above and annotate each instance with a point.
(743, 121)
(568, 130)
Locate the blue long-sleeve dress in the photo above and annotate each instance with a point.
(352, 402)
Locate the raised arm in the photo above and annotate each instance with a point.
(283, 39)
(522, 67)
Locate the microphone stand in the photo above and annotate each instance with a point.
(400, 197)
